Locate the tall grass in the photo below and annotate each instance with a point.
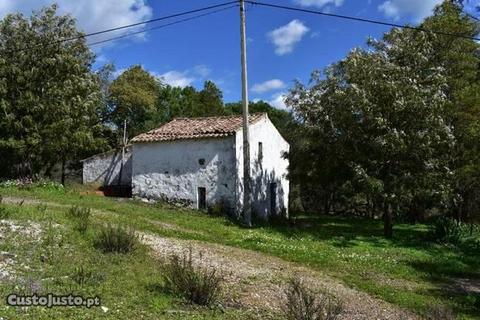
(304, 304)
(80, 217)
(197, 284)
(116, 239)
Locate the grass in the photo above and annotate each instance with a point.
(62, 261)
(408, 270)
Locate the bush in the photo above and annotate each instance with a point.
(197, 285)
(115, 239)
(304, 304)
(80, 217)
(449, 230)
(439, 312)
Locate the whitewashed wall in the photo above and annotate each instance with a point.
(104, 169)
(272, 168)
(171, 170)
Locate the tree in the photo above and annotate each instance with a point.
(48, 96)
(133, 97)
(188, 102)
(383, 109)
(460, 59)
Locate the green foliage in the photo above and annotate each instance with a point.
(48, 96)
(197, 284)
(132, 97)
(304, 304)
(449, 230)
(393, 128)
(115, 239)
(177, 102)
(80, 217)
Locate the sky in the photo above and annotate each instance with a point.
(282, 46)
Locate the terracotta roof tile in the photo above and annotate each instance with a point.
(194, 128)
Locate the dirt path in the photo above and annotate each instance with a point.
(256, 281)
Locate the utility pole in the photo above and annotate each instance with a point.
(124, 144)
(247, 200)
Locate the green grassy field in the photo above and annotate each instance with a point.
(409, 270)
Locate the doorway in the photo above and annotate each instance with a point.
(273, 198)
(202, 198)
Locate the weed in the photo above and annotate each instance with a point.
(197, 285)
(439, 312)
(304, 304)
(115, 239)
(80, 217)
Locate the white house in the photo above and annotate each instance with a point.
(198, 162)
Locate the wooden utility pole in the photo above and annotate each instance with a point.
(124, 144)
(247, 202)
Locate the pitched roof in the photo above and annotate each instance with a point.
(194, 128)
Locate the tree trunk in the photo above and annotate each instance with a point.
(460, 211)
(387, 220)
(63, 172)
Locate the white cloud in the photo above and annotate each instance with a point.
(117, 73)
(91, 15)
(185, 78)
(415, 9)
(177, 78)
(286, 37)
(269, 85)
(202, 70)
(278, 100)
(319, 3)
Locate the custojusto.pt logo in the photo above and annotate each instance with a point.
(51, 300)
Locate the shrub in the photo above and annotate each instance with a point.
(304, 304)
(449, 230)
(199, 285)
(439, 312)
(115, 239)
(80, 217)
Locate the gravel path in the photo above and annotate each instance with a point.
(256, 281)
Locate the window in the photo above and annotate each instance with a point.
(260, 151)
(202, 198)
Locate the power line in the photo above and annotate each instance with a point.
(175, 15)
(161, 26)
(472, 16)
(383, 23)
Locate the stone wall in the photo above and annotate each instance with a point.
(104, 169)
(174, 170)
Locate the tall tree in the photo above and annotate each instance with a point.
(188, 102)
(133, 96)
(460, 59)
(384, 108)
(48, 95)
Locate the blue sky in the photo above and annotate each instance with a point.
(282, 45)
